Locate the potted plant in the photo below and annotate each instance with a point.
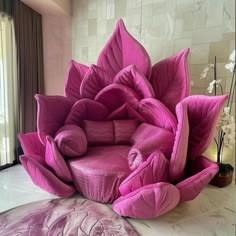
(225, 135)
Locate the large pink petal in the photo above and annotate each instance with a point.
(179, 154)
(157, 113)
(203, 113)
(115, 95)
(135, 79)
(32, 146)
(55, 160)
(45, 179)
(123, 50)
(73, 81)
(202, 171)
(94, 81)
(170, 79)
(148, 202)
(125, 112)
(52, 112)
(155, 169)
(86, 109)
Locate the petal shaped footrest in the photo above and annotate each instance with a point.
(45, 179)
(148, 202)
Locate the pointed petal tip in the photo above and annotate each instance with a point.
(120, 24)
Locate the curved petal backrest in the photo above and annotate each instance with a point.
(133, 78)
(170, 79)
(94, 81)
(156, 113)
(74, 79)
(86, 109)
(52, 112)
(203, 113)
(123, 50)
(115, 95)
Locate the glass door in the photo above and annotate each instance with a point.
(8, 88)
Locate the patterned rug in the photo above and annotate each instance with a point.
(59, 217)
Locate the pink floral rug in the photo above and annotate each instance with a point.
(64, 217)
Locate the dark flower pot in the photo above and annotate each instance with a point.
(222, 179)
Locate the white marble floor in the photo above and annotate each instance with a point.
(211, 213)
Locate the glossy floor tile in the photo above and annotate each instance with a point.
(211, 213)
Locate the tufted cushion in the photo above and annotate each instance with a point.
(124, 129)
(99, 132)
(71, 141)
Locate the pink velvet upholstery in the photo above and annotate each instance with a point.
(123, 130)
(95, 80)
(180, 148)
(134, 79)
(86, 109)
(148, 139)
(71, 141)
(55, 160)
(74, 79)
(99, 133)
(156, 113)
(118, 94)
(100, 172)
(151, 171)
(202, 171)
(122, 100)
(125, 112)
(203, 113)
(123, 50)
(148, 202)
(170, 79)
(48, 125)
(45, 179)
(32, 146)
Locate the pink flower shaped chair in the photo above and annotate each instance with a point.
(125, 132)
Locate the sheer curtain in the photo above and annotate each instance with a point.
(8, 91)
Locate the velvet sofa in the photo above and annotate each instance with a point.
(125, 133)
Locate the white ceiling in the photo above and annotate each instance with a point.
(50, 7)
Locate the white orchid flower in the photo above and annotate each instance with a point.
(232, 56)
(205, 70)
(230, 66)
(227, 109)
(211, 85)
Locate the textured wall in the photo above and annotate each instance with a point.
(163, 26)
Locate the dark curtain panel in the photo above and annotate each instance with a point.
(28, 33)
(6, 7)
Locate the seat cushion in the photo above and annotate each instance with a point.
(99, 173)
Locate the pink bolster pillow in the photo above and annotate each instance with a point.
(71, 141)
(124, 129)
(109, 132)
(99, 132)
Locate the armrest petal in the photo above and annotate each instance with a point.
(45, 179)
(202, 171)
(55, 160)
(154, 170)
(148, 202)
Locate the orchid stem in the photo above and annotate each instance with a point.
(215, 75)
